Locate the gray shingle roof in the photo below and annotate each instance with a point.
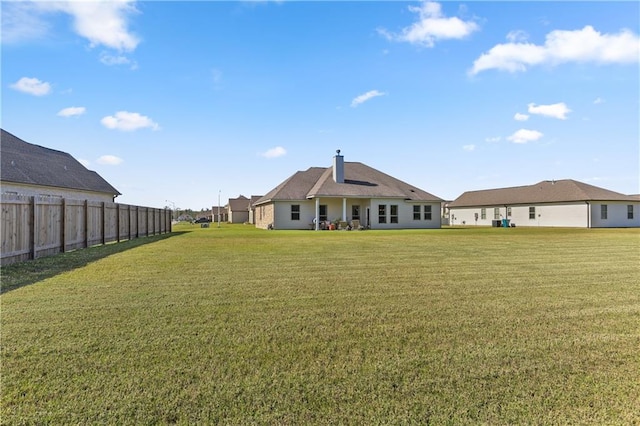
(566, 190)
(360, 181)
(239, 204)
(30, 164)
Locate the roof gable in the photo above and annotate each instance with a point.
(240, 203)
(30, 164)
(566, 190)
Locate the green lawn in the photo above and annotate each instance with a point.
(235, 325)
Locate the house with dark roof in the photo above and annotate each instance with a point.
(252, 208)
(561, 203)
(347, 193)
(238, 209)
(33, 170)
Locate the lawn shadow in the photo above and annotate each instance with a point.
(21, 274)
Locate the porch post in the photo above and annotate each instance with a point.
(317, 217)
(344, 209)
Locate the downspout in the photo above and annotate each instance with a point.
(588, 215)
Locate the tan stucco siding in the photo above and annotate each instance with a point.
(283, 218)
(74, 194)
(239, 216)
(405, 215)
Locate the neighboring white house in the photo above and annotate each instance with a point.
(34, 170)
(346, 192)
(561, 203)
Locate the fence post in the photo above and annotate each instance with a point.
(104, 224)
(63, 221)
(86, 223)
(130, 221)
(118, 222)
(34, 233)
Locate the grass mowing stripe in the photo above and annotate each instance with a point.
(237, 325)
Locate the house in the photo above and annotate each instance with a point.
(346, 192)
(238, 209)
(219, 214)
(566, 203)
(252, 208)
(34, 170)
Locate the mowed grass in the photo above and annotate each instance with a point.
(235, 325)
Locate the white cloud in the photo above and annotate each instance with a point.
(493, 139)
(112, 60)
(365, 97)
(431, 26)
(524, 136)
(517, 36)
(84, 162)
(110, 160)
(71, 111)
(585, 45)
(597, 101)
(559, 110)
(101, 22)
(20, 22)
(128, 121)
(32, 86)
(469, 147)
(520, 117)
(278, 151)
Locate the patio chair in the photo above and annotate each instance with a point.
(355, 224)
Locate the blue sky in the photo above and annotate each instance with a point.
(178, 103)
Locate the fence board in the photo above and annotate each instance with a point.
(42, 226)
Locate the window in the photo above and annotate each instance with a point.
(355, 212)
(508, 211)
(393, 214)
(496, 213)
(295, 212)
(323, 212)
(416, 212)
(532, 213)
(483, 213)
(603, 212)
(630, 211)
(382, 213)
(427, 212)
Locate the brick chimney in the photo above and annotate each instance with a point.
(338, 167)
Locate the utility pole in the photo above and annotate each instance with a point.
(219, 192)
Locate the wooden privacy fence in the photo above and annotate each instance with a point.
(39, 226)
